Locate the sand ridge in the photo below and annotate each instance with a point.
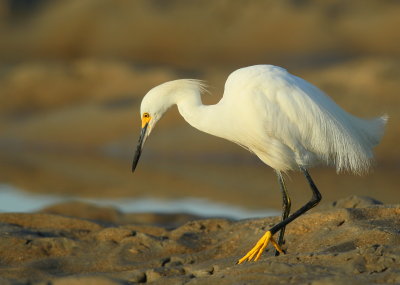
(355, 240)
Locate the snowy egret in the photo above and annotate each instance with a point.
(284, 120)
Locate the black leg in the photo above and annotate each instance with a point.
(286, 204)
(256, 251)
(310, 204)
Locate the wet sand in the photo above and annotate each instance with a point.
(352, 241)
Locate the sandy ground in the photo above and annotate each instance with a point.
(354, 240)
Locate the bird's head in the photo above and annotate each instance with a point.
(154, 104)
(157, 101)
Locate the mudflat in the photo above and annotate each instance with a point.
(355, 240)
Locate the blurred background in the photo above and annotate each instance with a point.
(72, 75)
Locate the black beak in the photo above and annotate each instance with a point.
(139, 147)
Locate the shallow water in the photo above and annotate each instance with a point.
(15, 200)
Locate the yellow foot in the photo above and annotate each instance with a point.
(258, 249)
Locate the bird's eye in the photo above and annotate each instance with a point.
(146, 115)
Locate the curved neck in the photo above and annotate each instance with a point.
(205, 118)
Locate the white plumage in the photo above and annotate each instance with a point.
(286, 121)
(282, 118)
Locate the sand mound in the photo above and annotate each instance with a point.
(359, 244)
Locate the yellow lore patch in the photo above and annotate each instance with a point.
(145, 119)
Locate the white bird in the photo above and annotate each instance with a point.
(284, 120)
